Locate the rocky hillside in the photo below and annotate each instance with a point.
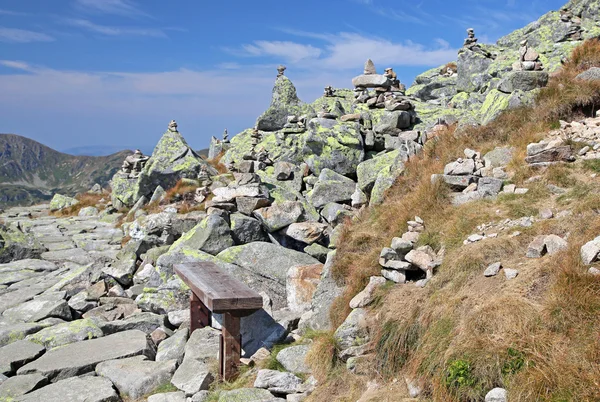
(406, 248)
(31, 172)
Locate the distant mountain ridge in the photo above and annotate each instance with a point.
(31, 172)
(102, 150)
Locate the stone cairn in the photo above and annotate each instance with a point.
(329, 92)
(575, 30)
(133, 164)
(280, 70)
(388, 91)
(256, 159)
(529, 59)
(295, 124)
(325, 113)
(225, 136)
(173, 126)
(402, 258)
(471, 44)
(204, 180)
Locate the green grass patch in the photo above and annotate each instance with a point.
(592, 165)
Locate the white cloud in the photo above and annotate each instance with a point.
(348, 51)
(114, 31)
(14, 35)
(117, 7)
(288, 51)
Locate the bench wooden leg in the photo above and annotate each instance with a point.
(199, 314)
(231, 348)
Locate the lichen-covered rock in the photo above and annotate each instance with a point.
(212, 236)
(50, 304)
(284, 103)
(353, 331)
(523, 80)
(16, 245)
(385, 179)
(495, 103)
(368, 170)
(271, 263)
(337, 146)
(172, 160)
(279, 215)
(245, 229)
(68, 332)
(60, 201)
(331, 187)
(472, 71)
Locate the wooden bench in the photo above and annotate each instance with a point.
(214, 291)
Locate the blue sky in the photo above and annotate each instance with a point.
(114, 72)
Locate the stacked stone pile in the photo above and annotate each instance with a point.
(474, 177)
(402, 260)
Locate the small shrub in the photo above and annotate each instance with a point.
(459, 375)
(514, 362)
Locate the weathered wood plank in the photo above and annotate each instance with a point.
(231, 349)
(199, 314)
(218, 291)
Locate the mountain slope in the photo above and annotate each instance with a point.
(31, 172)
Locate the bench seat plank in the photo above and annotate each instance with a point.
(219, 291)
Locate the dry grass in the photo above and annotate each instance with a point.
(464, 334)
(85, 200)
(452, 65)
(216, 163)
(322, 357)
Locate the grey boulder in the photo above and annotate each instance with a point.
(136, 376)
(277, 382)
(82, 357)
(78, 389)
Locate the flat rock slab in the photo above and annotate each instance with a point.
(19, 296)
(137, 376)
(21, 385)
(82, 357)
(194, 373)
(28, 264)
(146, 322)
(66, 333)
(79, 389)
(173, 348)
(248, 395)
(277, 382)
(17, 354)
(16, 332)
(168, 397)
(76, 255)
(47, 305)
